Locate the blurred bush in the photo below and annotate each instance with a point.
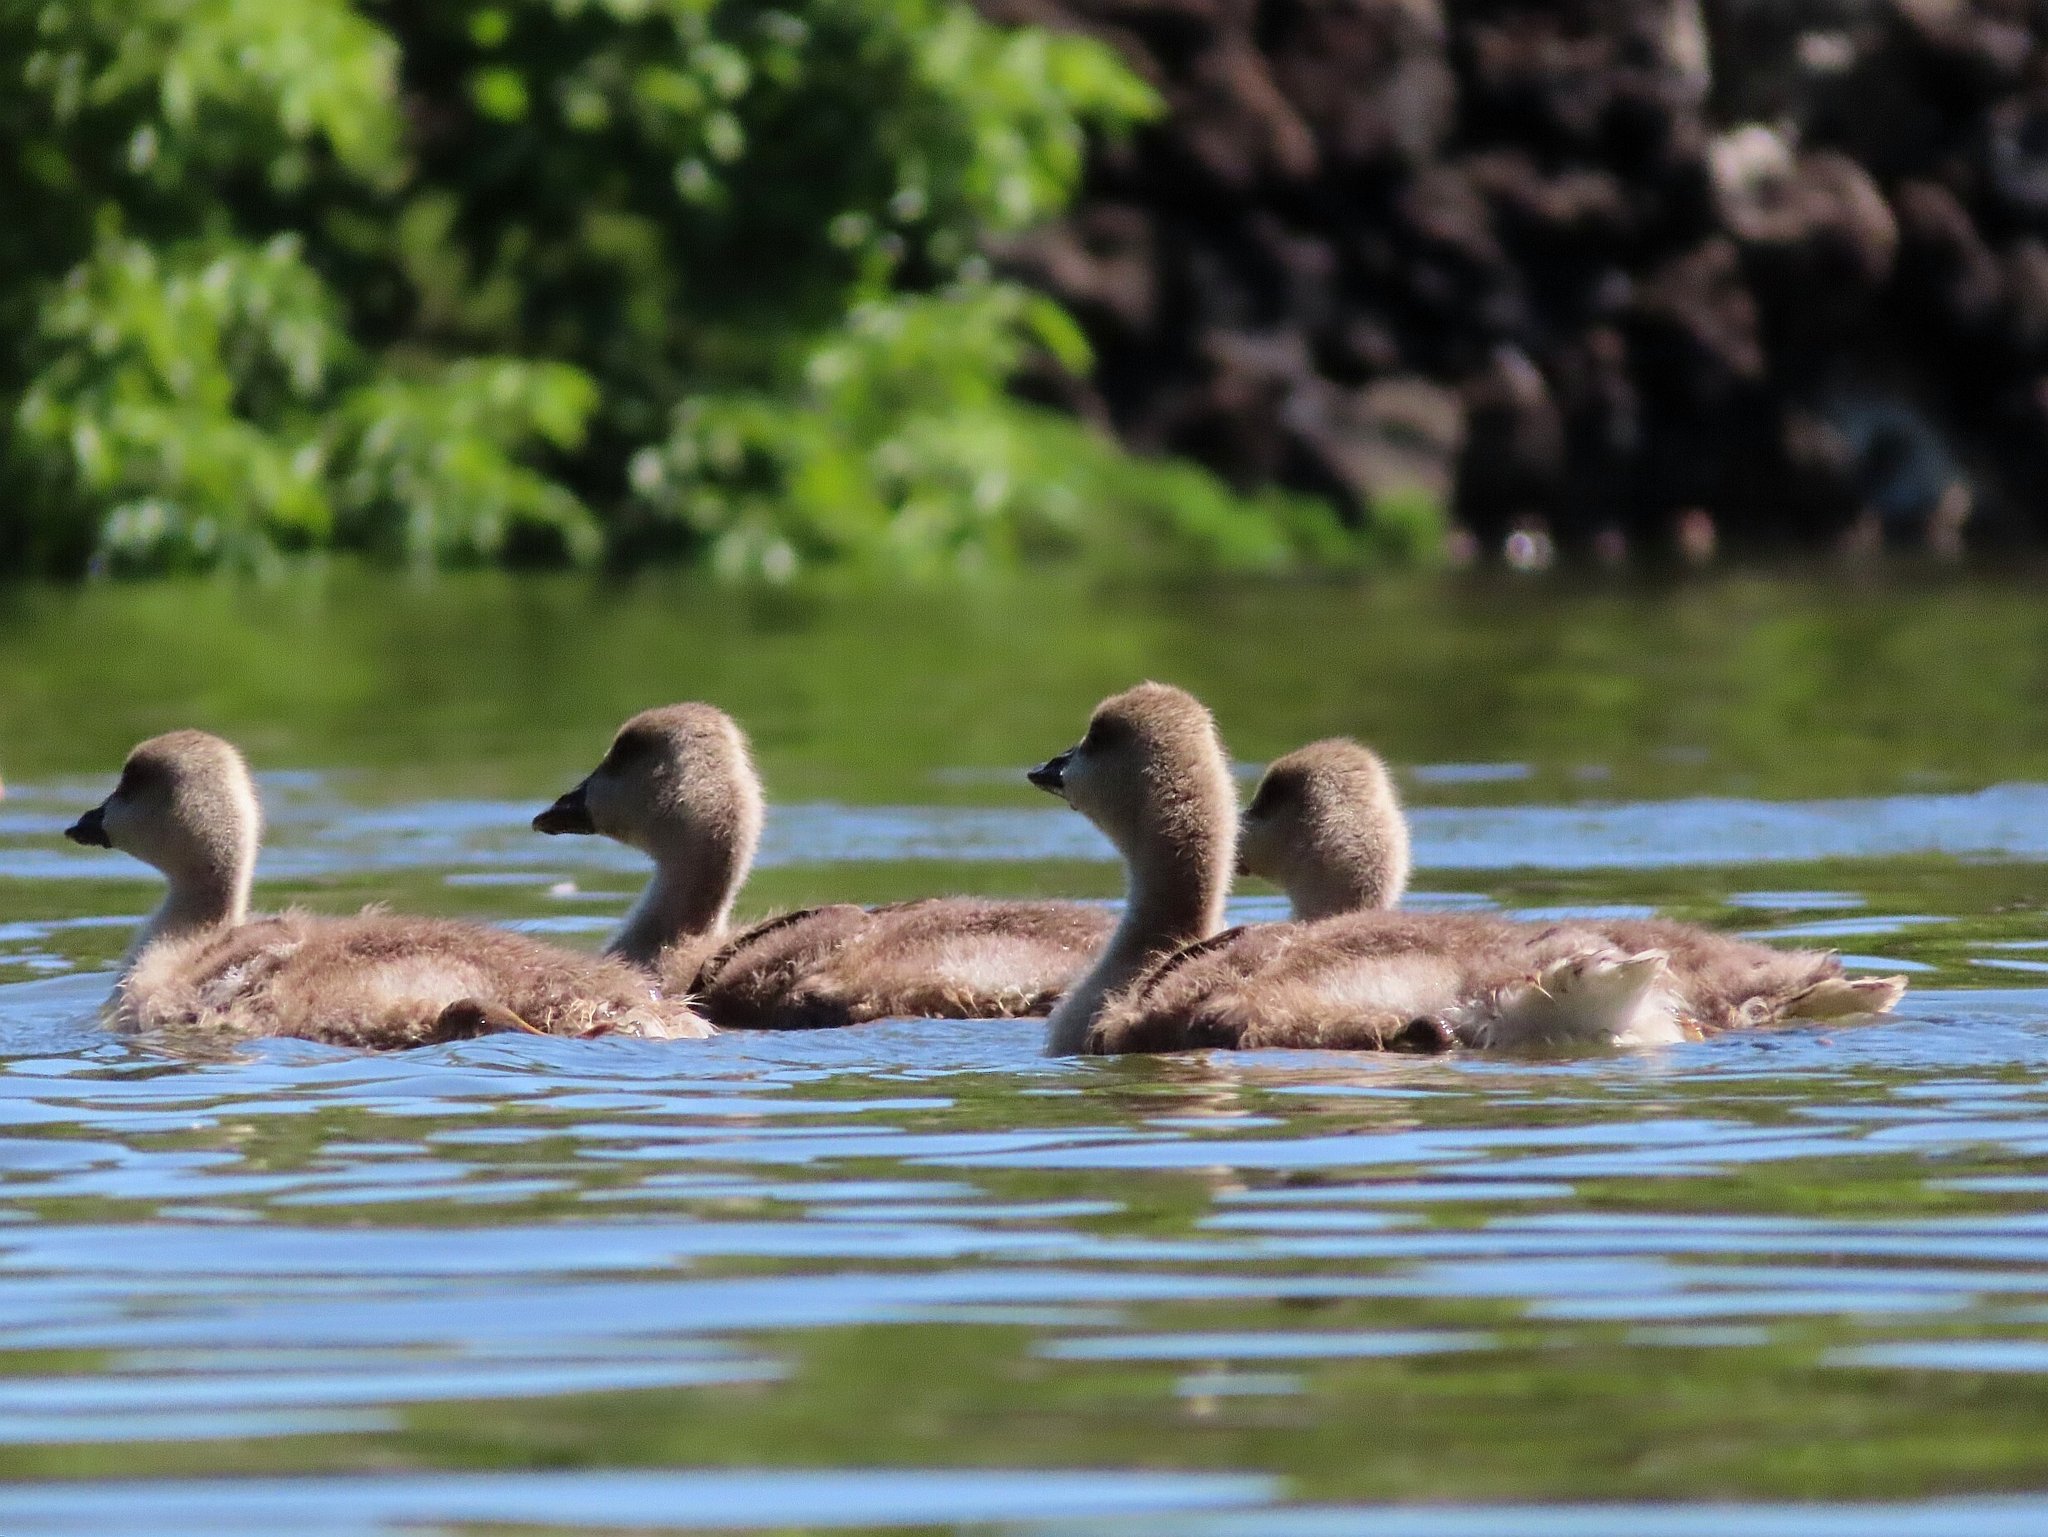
(546, 280)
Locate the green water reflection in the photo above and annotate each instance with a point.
(489, 684)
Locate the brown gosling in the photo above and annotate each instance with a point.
(186, 804)
(679, 785)
(1329, 815)
(1152, 774)
(1325, 826)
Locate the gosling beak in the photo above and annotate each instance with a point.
(569, 814)
(91, 829)
(1051, 775)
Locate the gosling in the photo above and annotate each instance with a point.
(187, 805)
(1329, 815)
(1325, 826)
(1151, 772)
(679, 784)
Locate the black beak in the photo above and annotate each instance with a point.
(90, 829)
(569, 814)
(1052, 774)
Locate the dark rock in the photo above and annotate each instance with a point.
(1818, 242)
(2016, 156)
(1697, 342)
(1511, 469)
(1642, 266)
(1603, 434)
(1946, 271)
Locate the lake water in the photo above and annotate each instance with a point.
(916, 1277)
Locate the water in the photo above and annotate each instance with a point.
(916, 1276)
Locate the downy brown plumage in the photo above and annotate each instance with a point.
(1325, 826)
(679, 785)
(1152, 774)
(186, 804)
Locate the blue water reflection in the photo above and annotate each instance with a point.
(278, 1260)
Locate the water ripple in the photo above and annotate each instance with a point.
(928, 1273)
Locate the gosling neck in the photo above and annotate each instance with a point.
(690, 897)
(208, 897)
(1325, 893)
(1176, 899)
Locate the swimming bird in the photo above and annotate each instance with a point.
(1329, 815)
(1325, 826)
(186, 804)
(679, 784)
(1152, 774)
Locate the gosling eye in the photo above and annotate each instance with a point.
(138, 780)
(1271, 796)
(1104, 735)
(627, 752)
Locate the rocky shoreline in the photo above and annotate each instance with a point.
(1612, 276)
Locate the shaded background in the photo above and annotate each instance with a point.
(903, 286)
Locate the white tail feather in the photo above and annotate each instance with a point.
(1595, 998)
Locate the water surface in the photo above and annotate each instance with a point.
(917, 1277)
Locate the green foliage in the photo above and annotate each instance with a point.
(1407, 526)
(902, 451)
(198, 401)
(542, 279)
(172, 392)
(427, 467)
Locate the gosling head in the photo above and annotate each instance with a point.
(679, 785)
(1152, 774)
(1326, 825)
(676, 781)
(185, 803)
